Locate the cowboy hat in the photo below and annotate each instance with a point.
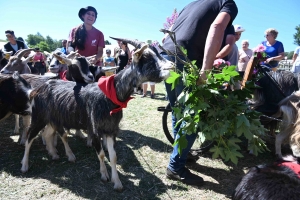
(82, 11)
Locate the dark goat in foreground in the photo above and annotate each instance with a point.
(14, 95)
(271, 102)
(64, 105)
(277, 181)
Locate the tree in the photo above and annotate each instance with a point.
(290, 55)
(43, 46)
(107, 42)
(297, 36)
(33, 40)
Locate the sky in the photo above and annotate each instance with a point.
(142, 19)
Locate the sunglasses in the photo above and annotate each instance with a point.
(267, 35)
(8, 36)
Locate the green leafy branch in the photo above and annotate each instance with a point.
(216, 114)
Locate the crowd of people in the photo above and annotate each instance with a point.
(207, 34)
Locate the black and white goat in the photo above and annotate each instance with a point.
(285, 104)
(280, 180)
(87, 107)
(14, 95)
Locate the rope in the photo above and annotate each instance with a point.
(274, 118)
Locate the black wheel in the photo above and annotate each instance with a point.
(204, 147)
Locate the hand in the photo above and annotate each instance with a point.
(269, 60)
(201, 79)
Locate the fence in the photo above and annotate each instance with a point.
(285, 65)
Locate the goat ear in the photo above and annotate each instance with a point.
(62, 60)
(72, 54)
(139, 52)
(29, 59)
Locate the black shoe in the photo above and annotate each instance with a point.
(185, 176)
(192, 157)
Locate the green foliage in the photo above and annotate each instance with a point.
(297, 36)
(45, 44)
(217, 114)
(290, 55)
(107, 42)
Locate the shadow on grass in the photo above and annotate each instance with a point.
(82, 178)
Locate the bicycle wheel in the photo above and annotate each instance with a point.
(203, 147)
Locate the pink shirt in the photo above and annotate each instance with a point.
(95, 39)
(38, 56)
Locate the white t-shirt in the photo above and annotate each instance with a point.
(15, 46)
(296, 66)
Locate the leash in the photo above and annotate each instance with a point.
(274, 118)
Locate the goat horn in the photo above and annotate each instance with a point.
(22, 52)
(134, 43)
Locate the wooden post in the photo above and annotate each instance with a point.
(249, 70)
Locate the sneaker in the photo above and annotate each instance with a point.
(144, 95)
(152, 96)
(186, 177)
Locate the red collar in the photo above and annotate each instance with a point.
(293, 166)
(62, 75)
(106, 84)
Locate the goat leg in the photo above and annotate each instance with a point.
(64, 138)
(113, 162)
(48, 136)
(26, 124)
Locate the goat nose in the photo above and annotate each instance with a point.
(90, 76)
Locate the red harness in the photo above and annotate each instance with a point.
(293, 166)
(62, 75)
(106, 84)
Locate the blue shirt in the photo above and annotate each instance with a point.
(64, 50)
(273, 51)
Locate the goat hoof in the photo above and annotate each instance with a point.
(24, 169)
(89, 143)
(118, 187)
(72, 158)
(55, 157)
(104, 177)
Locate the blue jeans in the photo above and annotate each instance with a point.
(177, 162)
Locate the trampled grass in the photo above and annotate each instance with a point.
(143, 153)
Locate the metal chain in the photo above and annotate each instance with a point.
(274, 118)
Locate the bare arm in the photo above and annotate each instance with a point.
(230, 41)
(276, 58)
(294, 57)
(99, 54)
(214, 41)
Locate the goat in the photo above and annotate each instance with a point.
(77, 71)
(90, 106)
(289, 111)
(4, 57)
(267, 101)
(280, 180)
(18, 63)
(14, 96)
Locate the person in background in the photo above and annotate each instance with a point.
(296, 61)
(200, 29)
(109, 60)
(63, 49)
(274, 49)
(124, 56)
(13, 44)
(85, 38)
(152, 87)
(244, 56)
(38, 61)
(233, 56)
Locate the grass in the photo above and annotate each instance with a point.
(143, 154)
